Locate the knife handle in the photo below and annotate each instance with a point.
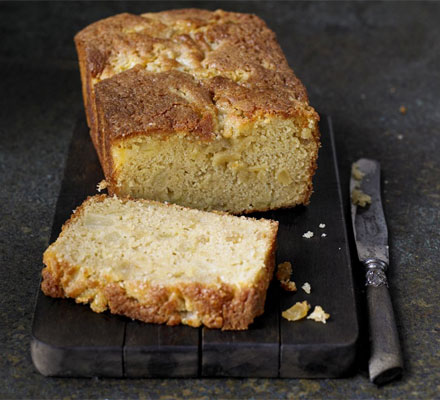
(386, 362)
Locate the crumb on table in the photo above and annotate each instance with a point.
(319, 315)
(308, 235)
(306, 287)
(102, 185)
(297, 311)
(284, 271)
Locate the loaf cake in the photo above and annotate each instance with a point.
(197, 108)
(163, 263)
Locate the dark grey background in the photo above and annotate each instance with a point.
(360, 62)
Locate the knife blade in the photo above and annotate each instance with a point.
(369, 225)
(371, 237)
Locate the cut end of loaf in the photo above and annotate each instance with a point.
(266, 164)
(163, 263)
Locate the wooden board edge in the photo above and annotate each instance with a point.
(335, 360)
(50, 360)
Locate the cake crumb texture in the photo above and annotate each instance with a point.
(163, 263)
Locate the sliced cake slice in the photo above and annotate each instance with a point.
(163, 263)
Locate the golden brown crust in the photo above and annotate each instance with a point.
(233, 56)
(217, 306)
(139, 102)
(50, 284)
(108, 36)
(224, 41)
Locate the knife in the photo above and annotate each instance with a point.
(371, 236)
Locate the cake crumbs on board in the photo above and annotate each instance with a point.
(102, 185)
(319, 315)
(284, 271)
(298, 311)
(306, 287)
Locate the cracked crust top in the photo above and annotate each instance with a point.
(205, 66)
(138, 101)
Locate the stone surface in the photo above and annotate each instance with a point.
(360, 62)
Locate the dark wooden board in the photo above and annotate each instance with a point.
(251, 353)
(68, 339)
(71, 340)
(161, 351)
(308, 348)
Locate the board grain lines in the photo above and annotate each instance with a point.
(70, 340)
